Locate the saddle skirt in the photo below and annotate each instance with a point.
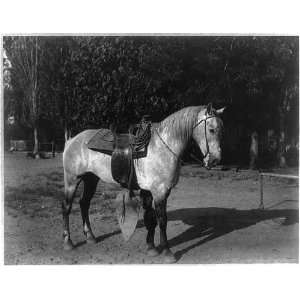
(102, 141)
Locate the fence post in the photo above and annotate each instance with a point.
(53, 148)
(261, 204)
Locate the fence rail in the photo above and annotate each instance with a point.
(261, 175)
(27, 145)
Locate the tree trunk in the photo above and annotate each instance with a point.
(254, 150)
(282, 136)
(53, 148)
(281, 141)
(67, 133)
(36, 143)
(66, 129)
(34, 102)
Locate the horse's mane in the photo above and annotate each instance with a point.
(181, 123)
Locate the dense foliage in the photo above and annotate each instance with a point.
(85, 82)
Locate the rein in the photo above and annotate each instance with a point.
(168, 146)
(197, 124)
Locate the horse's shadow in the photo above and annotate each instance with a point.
(213, 222)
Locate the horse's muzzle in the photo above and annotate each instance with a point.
(211, 162)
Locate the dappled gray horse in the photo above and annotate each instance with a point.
(156, 174)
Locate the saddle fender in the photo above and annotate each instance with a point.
(127, 209)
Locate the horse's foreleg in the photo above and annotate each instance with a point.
(161, 214)
(90, 184)
(70, 189)
(150, 222)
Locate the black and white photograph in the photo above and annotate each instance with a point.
(150, 149)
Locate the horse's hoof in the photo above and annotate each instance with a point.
(168, 256)
(152, 252)
(68, 245)
(91, 240)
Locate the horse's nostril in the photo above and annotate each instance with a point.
(214, 162)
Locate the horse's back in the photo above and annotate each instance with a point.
(75, 147)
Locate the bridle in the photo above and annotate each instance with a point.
(205, 133)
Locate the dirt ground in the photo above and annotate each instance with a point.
(213, 218)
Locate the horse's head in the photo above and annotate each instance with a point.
(207, 133)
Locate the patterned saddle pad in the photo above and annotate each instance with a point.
(102, 141)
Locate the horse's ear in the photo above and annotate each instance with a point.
(221, 110)
(209, 109)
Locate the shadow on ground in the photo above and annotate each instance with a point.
(214, 222)
(99, 238)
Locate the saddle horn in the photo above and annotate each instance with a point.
(209, 109)
(113, 128)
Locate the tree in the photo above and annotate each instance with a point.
(23, 53)
(91, 82)
(121, 78)
(56, 82)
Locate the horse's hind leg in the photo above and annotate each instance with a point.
(71, 183)
(90, 184)
(150, 221)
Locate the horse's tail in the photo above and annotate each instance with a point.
(67, 143)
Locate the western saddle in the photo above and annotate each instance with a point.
(123, 148)
(126, 147)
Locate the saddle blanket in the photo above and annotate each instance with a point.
(102, 141)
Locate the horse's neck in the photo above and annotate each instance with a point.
(177, 142)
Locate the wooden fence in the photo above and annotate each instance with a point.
(27, 145)
(261, 176)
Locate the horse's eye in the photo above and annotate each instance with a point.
(211, 130)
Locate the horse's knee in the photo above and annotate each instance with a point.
(68, 199)
(147, 199)
(160, 207)
(66, 207)
(149, 214)
(150, 218)
(161, 213)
